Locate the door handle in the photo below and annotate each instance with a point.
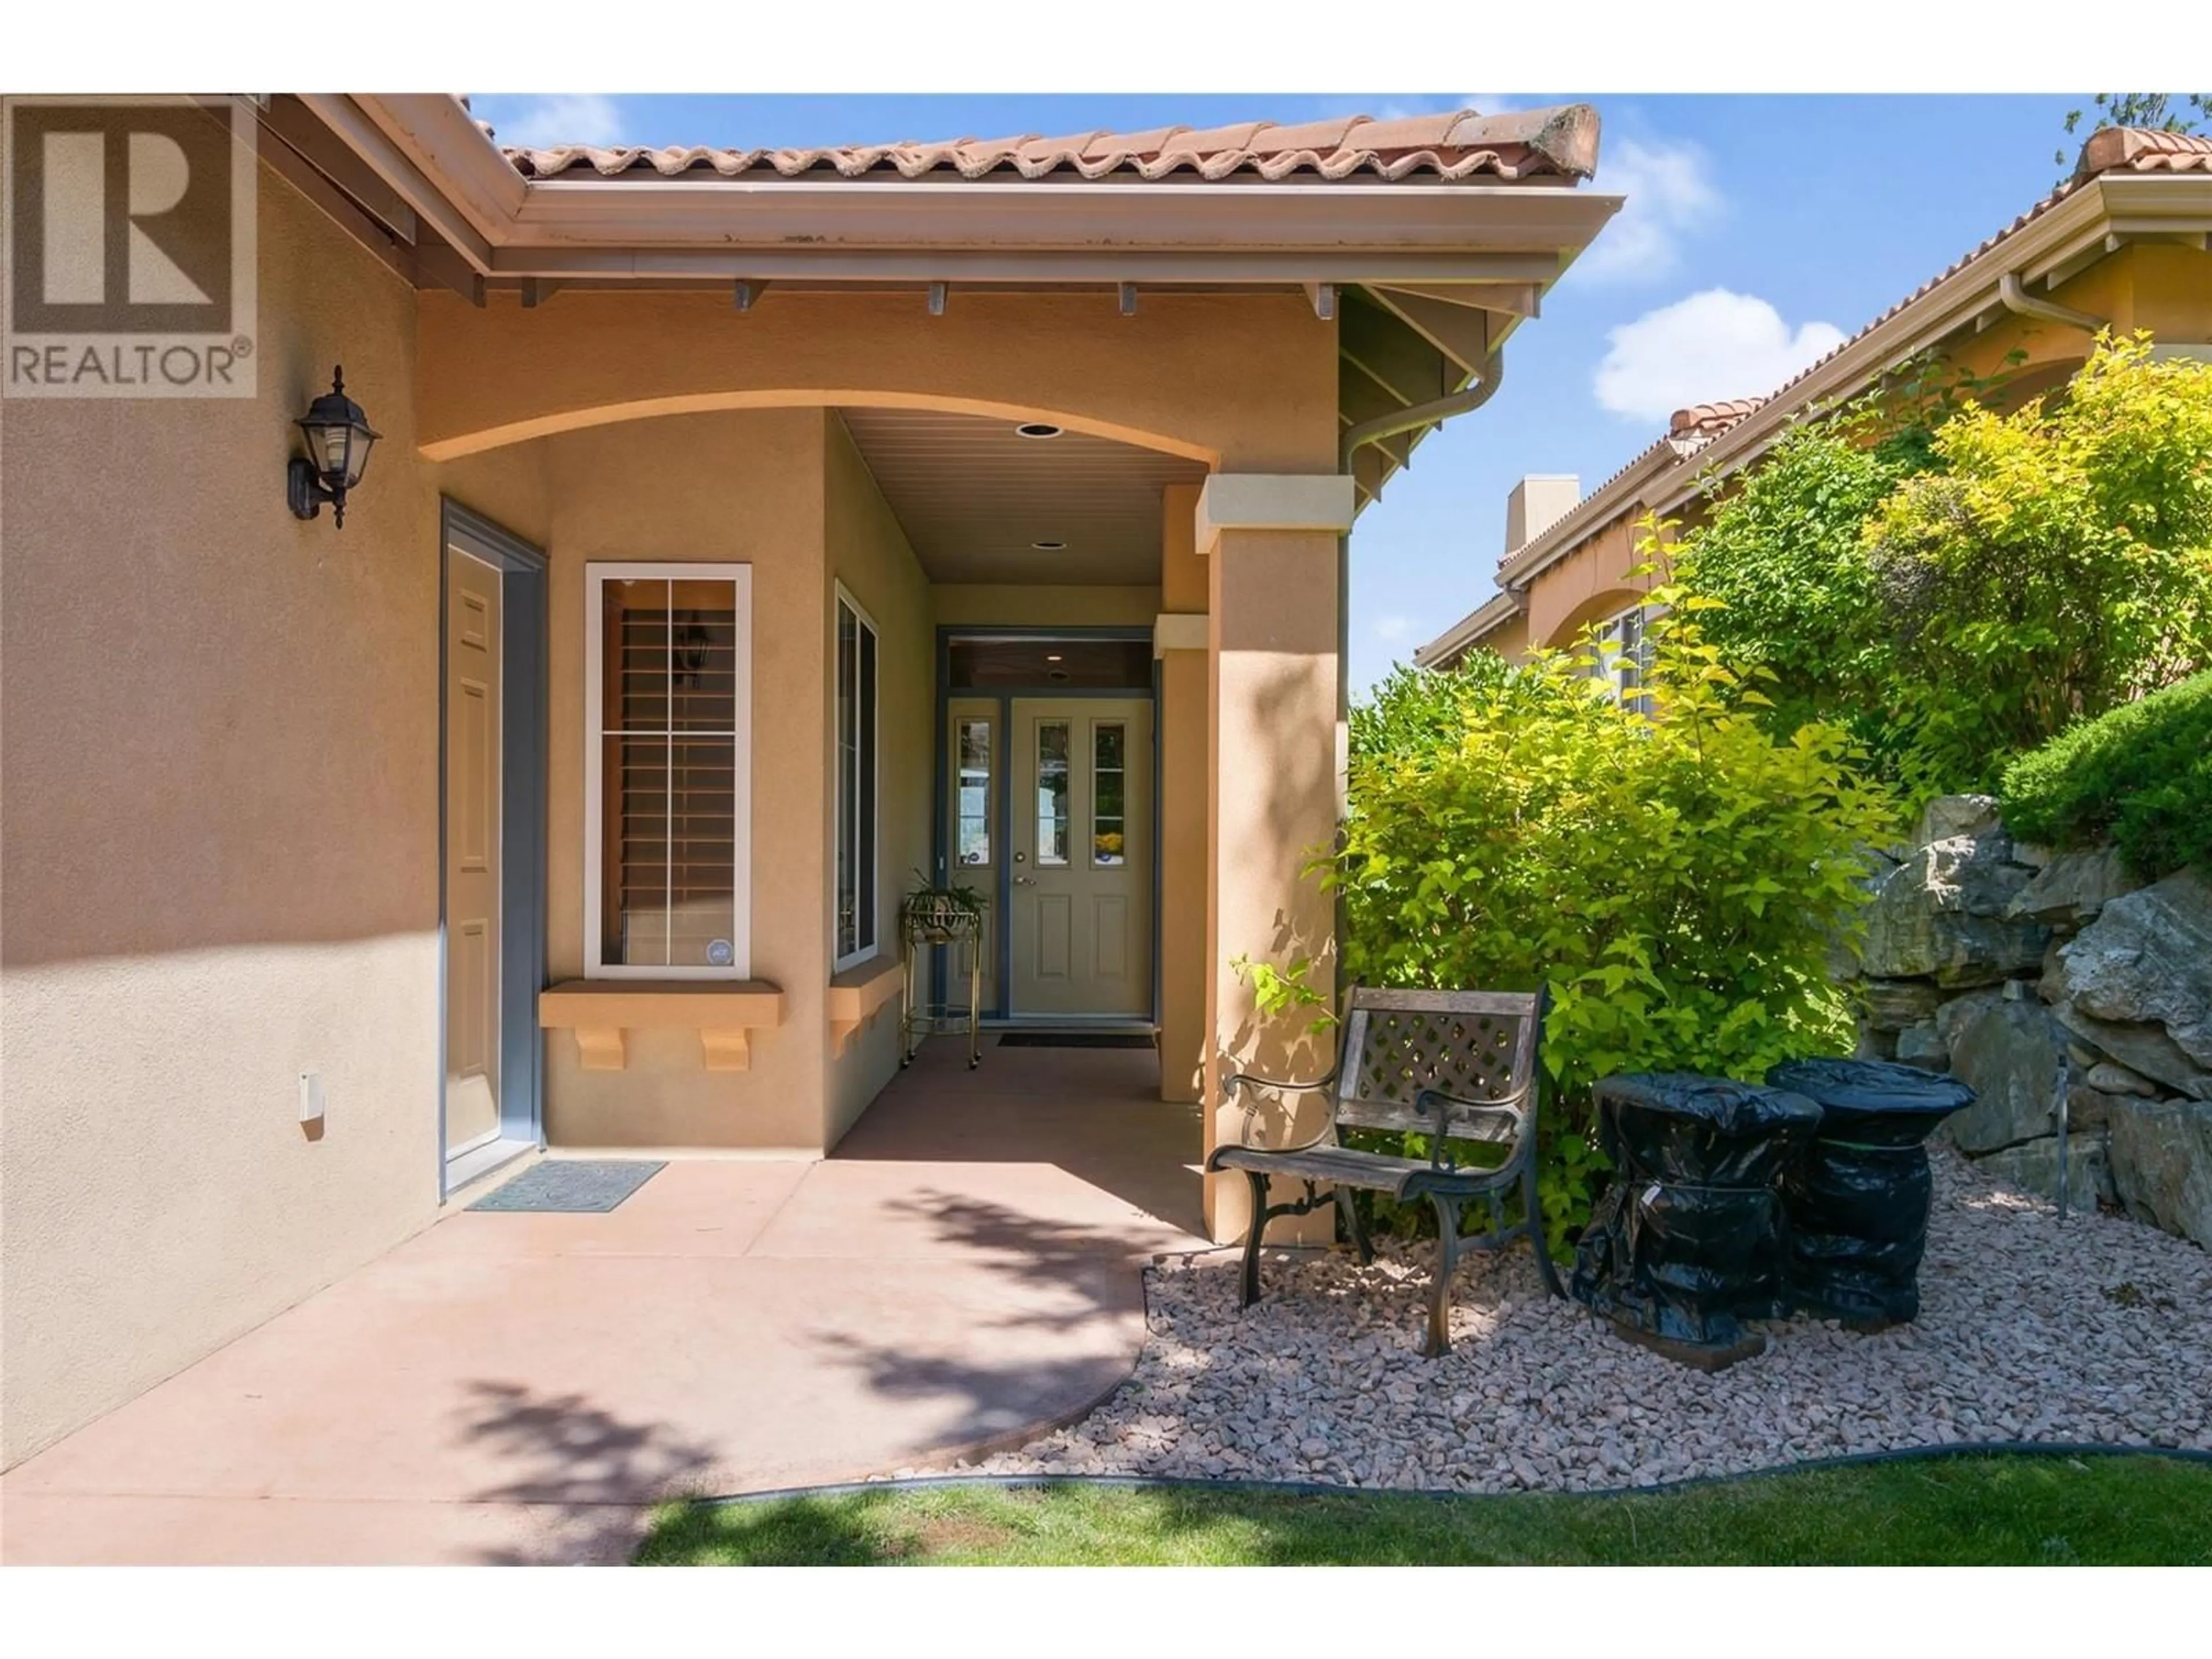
(1024, 881)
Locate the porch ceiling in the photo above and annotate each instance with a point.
(974, 498)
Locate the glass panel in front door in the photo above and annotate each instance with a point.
(1052, 781)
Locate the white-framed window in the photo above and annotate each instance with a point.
(856, 926)
(667, 771)
(1622, 647)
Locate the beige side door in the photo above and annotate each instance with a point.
(1082, 778)
(473, 852)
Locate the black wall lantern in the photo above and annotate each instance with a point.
(339, 439)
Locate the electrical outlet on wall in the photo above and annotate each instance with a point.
(311, 1096)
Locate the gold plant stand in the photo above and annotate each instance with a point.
(931, 919)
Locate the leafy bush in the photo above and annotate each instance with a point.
(1785, 555)
(1674, 878)
(1955, 587)
(2058, 565)
(2141, 775)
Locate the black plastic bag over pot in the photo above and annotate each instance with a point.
(1855, 1206)
(1873, 1103)
(1685, 1243)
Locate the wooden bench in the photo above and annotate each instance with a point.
(1452, 1065)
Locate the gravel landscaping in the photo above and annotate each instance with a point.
(2095, 1329)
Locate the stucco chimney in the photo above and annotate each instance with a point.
(1538, 501)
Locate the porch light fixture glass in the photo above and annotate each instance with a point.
(1037, 430)
(339, 438)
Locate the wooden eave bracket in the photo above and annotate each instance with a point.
(859, 994)
(602, 1013)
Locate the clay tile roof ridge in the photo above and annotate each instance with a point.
(1451, 146)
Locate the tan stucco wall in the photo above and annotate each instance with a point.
(744, 487)
(1594, 581)
(868, 552)
(984, 606)
(1183, 765)
(218, 849)
(1273, 780)
(1243, 381)
(1510, 640)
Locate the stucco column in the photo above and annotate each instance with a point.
(1179, 644)
(1271, 546)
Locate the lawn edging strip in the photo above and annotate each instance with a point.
(2039, 1449)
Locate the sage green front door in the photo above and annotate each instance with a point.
(1082, 892)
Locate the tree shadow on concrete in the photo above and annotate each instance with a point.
(1004, 1401)
(588, 1477)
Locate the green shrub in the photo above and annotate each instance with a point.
(2058, 565)
(1675, 879)
(1785, 555)
(1955, 587)
(2141, 775)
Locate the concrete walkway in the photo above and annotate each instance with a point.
(518, 1388)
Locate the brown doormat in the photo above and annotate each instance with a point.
(1075, 1040)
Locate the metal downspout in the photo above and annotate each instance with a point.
(2016, 299)
(1435, 412)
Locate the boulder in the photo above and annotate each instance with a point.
(2137, 983)
(2073, 887)
(2115, 1079)
(2007, 1052)
(2087, 1108)
(1940, 914)
(1923, 1045)
(1948, 816)
(2162, 1163)
(1891, 1005)
(2143, 1048)
(2033, 1167)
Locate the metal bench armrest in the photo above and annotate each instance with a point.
(1231, 1081)
(1448, 1106)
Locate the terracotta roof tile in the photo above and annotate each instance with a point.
(1710, 420)
(1559, 142)
(2143, 149)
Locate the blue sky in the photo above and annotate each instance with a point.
(1758, 231)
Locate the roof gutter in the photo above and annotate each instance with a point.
(2016, 299)
(1417, 416)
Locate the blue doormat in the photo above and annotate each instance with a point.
(573, 1185)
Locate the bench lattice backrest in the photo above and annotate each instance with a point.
(1475, 1046)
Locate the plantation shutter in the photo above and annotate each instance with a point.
(668, 772)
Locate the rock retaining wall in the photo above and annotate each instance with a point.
(2023, 971)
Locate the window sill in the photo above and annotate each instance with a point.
(861, 993)
(603, 1012)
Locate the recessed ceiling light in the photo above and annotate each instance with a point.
(1037, 430)
(1049, 547)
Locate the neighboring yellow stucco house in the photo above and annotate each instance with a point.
(2123, 244)
(747, 534)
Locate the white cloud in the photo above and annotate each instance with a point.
(1391, 629)
(1670, 192)
(574, 118)
(1712, 345)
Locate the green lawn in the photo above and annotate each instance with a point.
(2000, 1511)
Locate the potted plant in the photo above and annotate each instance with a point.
(936, 913)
